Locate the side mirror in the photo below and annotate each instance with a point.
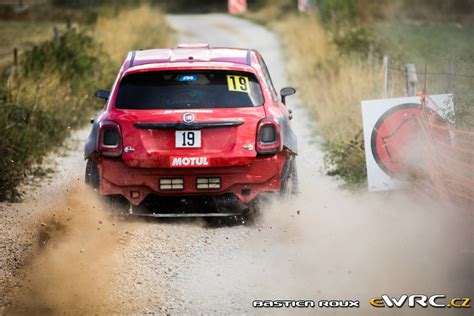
(286, 92)
(103, 94)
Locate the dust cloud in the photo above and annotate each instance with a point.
(334, 244)
(329, 244)
(326, 244)
(71, 270)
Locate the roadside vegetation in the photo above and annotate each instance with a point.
(50, 91)
(331, 67)
(436, 44)
(141, 28)
(21, 34)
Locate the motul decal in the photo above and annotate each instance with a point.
(189, 161)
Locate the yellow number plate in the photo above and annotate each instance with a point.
(238, 83)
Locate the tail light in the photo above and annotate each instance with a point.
(110, 139)
(268, 137)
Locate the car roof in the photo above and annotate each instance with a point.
(188, 53)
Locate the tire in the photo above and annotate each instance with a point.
(92, 177)
(295, 185)
(289, 181)
(115, 202)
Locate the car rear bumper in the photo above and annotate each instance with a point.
(245, 182)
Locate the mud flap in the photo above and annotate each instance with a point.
(288, 136)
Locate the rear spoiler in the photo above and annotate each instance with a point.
(186, 126)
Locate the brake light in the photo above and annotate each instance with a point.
(268, 140)
(110, 139)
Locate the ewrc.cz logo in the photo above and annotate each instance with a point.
(411, 301)
(189, 161)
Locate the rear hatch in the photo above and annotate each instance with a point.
(189, 119)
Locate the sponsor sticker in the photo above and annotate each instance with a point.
(187, 77)
(189, 162)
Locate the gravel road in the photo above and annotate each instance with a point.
(327, 244)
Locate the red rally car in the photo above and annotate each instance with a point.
(192, 131)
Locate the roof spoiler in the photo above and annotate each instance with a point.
(197, 45)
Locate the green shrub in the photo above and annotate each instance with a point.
(346, 160)
(336, 12)
(355, 41)
(51, 95)
(74, 55)
(27, 133)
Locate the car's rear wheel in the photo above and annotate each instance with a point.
(295, 185)
(92, 175)
(92, 178)
(289, 179)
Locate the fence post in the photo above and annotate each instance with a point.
(425, 84)
(15, 57)
(371, 58)
(386, 76)
(411, 79)
(12, 75)
(68, 25)
(56, 35)
(450, 76)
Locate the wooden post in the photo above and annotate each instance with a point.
(12, 75)
(386, 76)
(425, 84)
(68, 25)
(450, 77)
(56, 35)
(372, 69)
(369, 55)
(411, 79)
(15, 57)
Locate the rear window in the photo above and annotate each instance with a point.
(188, 90)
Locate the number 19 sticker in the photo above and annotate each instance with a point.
(238, 83)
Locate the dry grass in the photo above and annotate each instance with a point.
(140, 28)
(37, 93)
(332, 82)
(22, 35)
(332, 87)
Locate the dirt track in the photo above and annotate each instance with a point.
(328, 244)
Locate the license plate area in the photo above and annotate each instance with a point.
(188, 139)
